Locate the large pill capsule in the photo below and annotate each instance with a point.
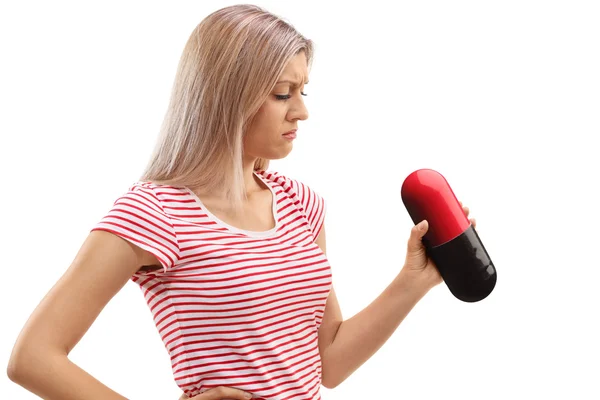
(451, 241)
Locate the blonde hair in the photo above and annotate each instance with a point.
(228, 67)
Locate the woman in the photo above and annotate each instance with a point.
(231, 258)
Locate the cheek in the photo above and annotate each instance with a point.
(267, 122)
(272, 115)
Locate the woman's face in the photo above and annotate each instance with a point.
(279, 114)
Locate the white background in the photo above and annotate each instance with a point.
(502, 98)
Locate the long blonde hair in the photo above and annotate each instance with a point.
(228, 67)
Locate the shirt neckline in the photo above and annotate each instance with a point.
(236, 229)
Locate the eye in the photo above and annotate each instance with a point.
(286, 96)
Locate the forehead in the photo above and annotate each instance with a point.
(296, 71)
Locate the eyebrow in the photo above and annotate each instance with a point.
(293, 83)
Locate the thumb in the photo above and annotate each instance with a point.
(416, 234)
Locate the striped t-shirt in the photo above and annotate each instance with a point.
(233, 307)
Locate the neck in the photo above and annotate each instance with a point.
(252, 183)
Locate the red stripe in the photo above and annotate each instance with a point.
(186, 201)
(249, 268)
(171, 297)
(165, 335)
(248, 337)
(242, 354)
(271, 373)
(224, 310)
(176, 192)
(279, 360)
(249, 282)
(189, 344)
(180, 320)
(180, 208)
(243, 323)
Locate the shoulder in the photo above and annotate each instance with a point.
(149, 196)
(138, 216)
(293, 186)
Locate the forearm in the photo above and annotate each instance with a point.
(55, 377)
(361, 336)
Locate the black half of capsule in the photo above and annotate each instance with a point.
(465, 266)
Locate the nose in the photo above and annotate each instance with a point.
(298, 111)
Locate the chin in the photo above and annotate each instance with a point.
(282, 153)
(278, 157)
(275, 153)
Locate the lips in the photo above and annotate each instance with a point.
(291, 135)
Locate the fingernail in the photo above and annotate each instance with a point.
(248, 395)
(421, 225)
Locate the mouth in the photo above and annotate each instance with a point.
(290, 135)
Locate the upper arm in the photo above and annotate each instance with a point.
(332, 317)
(103, 265)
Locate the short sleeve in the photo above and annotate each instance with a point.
(314, 206)
(138, 217)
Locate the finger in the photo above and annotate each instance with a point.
(223, 392)
(416, 234)
(473, 222)
(466, 210)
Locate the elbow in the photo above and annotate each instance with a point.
(24, 363)
(18, 363)
(331, 373)
(16, 369)
(330, 385)
(330, 381)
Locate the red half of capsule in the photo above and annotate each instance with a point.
(427, 195)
